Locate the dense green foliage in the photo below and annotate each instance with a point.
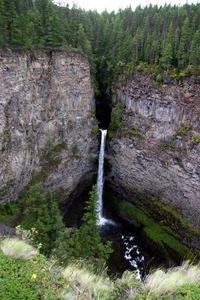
(41, 215)
(28, 279)
(41, 225)
(84, 242)
(166, 36)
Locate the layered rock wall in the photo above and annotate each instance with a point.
(46, 100)
(166, 161)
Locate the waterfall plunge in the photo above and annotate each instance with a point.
(100, 181)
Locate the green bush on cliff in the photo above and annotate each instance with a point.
(133, 131)
(116, 121)
(197, 139)
(184, 129)
(95, 130)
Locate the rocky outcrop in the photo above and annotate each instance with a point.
(164, 158)
(46, 100)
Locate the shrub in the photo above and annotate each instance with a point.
(134, 132)
(30, 279)
(95, 130)
(115, 123)
(158, 78)
(166, 146)
(197, 139)
(75, 149)
(184, 130)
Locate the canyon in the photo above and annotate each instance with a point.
(47, 112)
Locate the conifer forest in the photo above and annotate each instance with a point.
(165, 37)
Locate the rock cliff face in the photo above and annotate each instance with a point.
(45, 120)
(166, 161)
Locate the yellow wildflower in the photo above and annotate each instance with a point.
(67, 286)
(34, 276)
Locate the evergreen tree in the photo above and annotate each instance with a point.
(85, 242)
(42, 213)
(166, 55)
(195, 50)
(11, 22)
(2, 24)
(185, 40)
(54, 34)
(74, 26)
(82, 41)
(35, 30)
(36, 216)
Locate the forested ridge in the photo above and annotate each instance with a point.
(166, 37)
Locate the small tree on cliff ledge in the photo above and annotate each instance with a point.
(90, 240)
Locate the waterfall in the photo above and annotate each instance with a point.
(34, 5)
(100, 179)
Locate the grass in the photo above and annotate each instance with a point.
(34, 277)
(84, 283)
(17, 248)
(163, 282)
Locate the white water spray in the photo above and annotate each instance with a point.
(100, 179)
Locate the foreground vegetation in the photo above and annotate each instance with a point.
(26, 274)
(49, 261)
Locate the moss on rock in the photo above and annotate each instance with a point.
(161, 226)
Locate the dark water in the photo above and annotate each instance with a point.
(129, 253)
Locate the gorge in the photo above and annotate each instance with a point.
(47, 114)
